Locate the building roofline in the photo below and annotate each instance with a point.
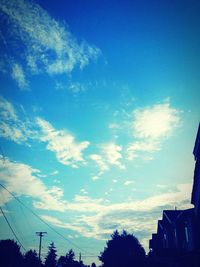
(196, 149)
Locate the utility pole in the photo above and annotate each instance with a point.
(40, 234)
(80, 257)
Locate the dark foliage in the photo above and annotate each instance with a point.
(70, 256)
(31, 259)
(10, 255)
(61, 261)
(69, 260)
(50, 260)
(123, 251)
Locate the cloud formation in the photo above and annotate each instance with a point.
(22, 179)
(99, 219)
(19, 76)
(11, 127)
(128, 182)
(68, 151)
(45, 44)
(63, 144)
(151, 126)
(110, 155)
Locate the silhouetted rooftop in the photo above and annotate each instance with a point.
(171, 215)
(196, 181)
(196, 150)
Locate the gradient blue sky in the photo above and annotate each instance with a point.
(99, 107)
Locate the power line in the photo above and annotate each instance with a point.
(54, 230)
(12, 229)
(11, 218)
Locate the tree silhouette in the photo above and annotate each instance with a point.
(50, 260)
(10, 255)
(68, 260)
(123, 251)
(61, 261)
(31, 259)
(70, 256)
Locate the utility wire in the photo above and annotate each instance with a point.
(14, 224)
(12, 229)
(35, 214)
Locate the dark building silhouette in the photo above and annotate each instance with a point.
(196, 191)
(177, 241)
(196, 184)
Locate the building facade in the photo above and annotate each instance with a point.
(177, 241)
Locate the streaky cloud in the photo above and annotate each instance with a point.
(46, 45)
(68, 151)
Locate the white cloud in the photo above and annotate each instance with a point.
(63, 144)
(19, 76)
(11, 127)
(155, 122)
(46, 44)
(100, 217)
(12, 133)
(54, 173)
(114, 126)
(100, 162)
(67, 150)
(5, 197)
(149, 146)
(110, 154)
(94, 178)
(76, 87)
(151, 126)
(22, 179)
(140, 217)
(59, 223)
(83, 191)
(7, 111)
(128, 182)
(83, 203)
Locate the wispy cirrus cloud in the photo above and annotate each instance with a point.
(11, 127)
(7, 110)
(45, 44)
(19, 76)
(151, 126)
(68, 151)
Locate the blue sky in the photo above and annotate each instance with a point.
(99, 107)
